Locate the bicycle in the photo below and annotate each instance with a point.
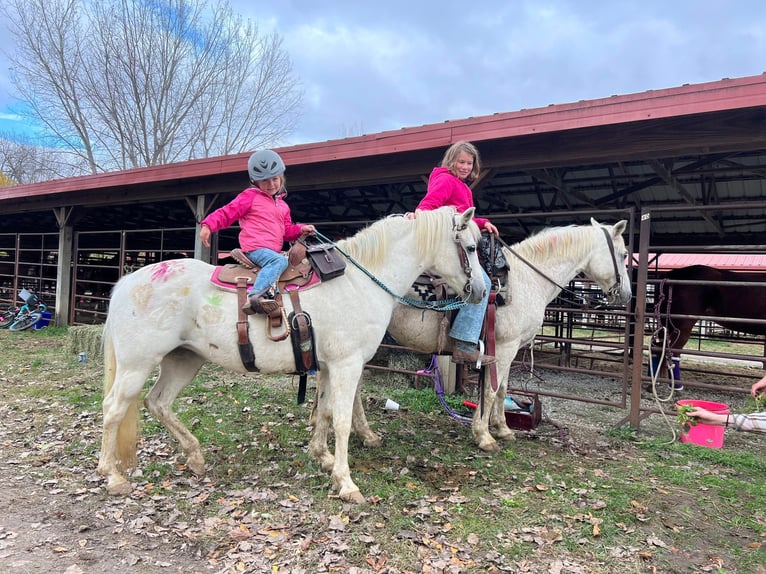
(29, 314)
(8, 316)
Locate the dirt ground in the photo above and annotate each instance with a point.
(56, 518)
(583, 418)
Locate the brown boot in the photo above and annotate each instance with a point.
(460, 356)
(261, 303)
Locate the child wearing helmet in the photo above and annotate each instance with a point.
(265, 222)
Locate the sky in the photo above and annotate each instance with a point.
(367, 67)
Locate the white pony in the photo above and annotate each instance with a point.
(169, 314)
(553, 258)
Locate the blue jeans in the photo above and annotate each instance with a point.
(467, 324)
(272, 265)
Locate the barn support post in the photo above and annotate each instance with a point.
(64, 267)
(200, 207)
(638, 341)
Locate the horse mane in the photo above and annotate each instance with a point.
(370, 245)
(569, 241)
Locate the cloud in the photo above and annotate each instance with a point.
(5, 116)
(366, 69)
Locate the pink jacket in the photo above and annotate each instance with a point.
(446, 189)
(264, 221)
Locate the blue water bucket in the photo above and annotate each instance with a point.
(656, 364)
(44, 321)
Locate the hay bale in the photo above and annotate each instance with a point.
(405, 361)
(85, 339)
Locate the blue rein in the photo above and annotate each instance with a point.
(442, 305)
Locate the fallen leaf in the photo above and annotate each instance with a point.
(656, 542)
(337, 523)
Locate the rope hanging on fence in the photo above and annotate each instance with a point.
(660, 335)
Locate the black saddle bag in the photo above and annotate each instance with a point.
(325, 260)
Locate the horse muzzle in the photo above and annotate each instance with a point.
(619, 294)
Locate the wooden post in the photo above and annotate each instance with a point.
(448, 372)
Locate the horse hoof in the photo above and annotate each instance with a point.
(196, 463)
(373, 442)
(490, 446)
(118, 486)
(509, 435)
(354, 497)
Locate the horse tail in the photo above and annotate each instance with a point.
(127, 432)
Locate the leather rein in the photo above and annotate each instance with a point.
(585, 301)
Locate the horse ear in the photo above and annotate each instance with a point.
(468, 215)
(594, 222)
(619, 227)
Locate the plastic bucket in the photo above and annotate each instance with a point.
(654, 367)
(44, 321)
(703, 434)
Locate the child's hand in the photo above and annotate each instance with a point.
(204, 235)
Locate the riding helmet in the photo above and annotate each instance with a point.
(265, 164)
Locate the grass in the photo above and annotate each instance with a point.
(613, 503)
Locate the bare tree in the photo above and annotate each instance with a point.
(23, 161)
(124, 83)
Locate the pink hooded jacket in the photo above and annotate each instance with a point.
(446, 189)
(264, 220)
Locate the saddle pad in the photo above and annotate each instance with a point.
(426, 291)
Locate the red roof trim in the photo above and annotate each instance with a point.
(726, 94)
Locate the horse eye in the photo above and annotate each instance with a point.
(471, 249)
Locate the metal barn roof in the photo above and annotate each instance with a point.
(694, 154)
(732, 262)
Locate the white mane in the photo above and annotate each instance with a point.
(370, 245)
(570, 242)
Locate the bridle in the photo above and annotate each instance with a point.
(458, 228)
(614, 291)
